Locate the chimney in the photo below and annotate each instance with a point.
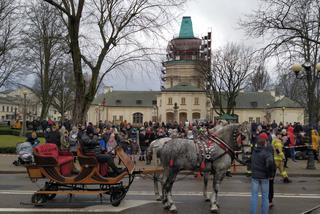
(107, 89)
(273, 93)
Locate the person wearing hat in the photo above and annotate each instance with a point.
(262, 169)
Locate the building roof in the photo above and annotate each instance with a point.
(186, 30)
(183, 87)
(286, 102)
(261, 100)
(128, 98)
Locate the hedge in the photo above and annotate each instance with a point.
(7, 150)
(16, 132)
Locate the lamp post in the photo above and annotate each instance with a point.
(283, 108)
(155, 107)
(175, 112)
(311, 75)
(23, 128)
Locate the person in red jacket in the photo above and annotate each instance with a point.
(292, 143)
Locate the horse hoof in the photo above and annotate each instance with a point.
(159, 198)
(207, 199)
(173, 209)
(214, 209)
(166, 206)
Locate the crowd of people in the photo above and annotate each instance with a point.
(273, 145)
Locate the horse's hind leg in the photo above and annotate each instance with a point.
(205, 185)
(214, 197)
(156, 181)
(167, 188)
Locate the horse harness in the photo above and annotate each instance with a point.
(206, 147)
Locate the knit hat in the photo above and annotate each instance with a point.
(263, 136)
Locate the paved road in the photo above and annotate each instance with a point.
(301, 195)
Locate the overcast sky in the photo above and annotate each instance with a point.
(219, 16)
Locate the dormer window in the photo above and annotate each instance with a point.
(138, 102)
(118, 102)
(254, 104)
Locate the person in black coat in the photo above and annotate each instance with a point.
(262, 170)
(54, 136)
(142, 143)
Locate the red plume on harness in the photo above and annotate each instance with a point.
(202, 167)
(171, 163)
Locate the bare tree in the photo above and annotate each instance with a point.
(260, 78)
(118, 27)
(291, 29)
(64, 97)
(9, 53)
(44, 54)
(230, 68)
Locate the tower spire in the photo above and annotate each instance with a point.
(186, 30)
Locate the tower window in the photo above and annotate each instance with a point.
(183, 100)
(196, 100)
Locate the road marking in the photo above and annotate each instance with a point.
(126, 204)
(183, 193)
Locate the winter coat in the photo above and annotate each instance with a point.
(315, 140)
(262, 163)
(291, 137)
(278, 150)
(54, 137)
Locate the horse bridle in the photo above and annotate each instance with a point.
(224, 146)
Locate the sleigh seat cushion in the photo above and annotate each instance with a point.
(64, 159)
(65, 162)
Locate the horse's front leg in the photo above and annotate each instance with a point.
(205, 185)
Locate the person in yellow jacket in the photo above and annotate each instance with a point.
(279, 156)
(315, 143)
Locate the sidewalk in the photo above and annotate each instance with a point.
(296, 169)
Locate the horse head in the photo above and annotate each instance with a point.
(243, 141)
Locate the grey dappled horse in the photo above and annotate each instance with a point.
(178, 154)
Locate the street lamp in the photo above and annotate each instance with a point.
(283, 108)
(24, 128)
(175, 112)
(311, 75)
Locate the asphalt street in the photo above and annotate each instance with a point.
(297, 197)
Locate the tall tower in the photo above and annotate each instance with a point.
(182, 95)
(184, 55)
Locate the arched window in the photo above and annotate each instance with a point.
(137, 118)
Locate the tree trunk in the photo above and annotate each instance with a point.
(44, 111)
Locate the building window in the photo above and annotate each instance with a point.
(257, 119)
(11, 108)
(160, 103)
(114, 118)
(118, 102)
(171, 82)
(183, 100)
(250, 119)
(170, 101)
(254, 104)
(137, 118)
(7, 108)
(196, 100)
(154, 102)
(3, 108)
(138, 102)
(121, 118)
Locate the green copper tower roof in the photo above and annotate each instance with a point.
(186, 31)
